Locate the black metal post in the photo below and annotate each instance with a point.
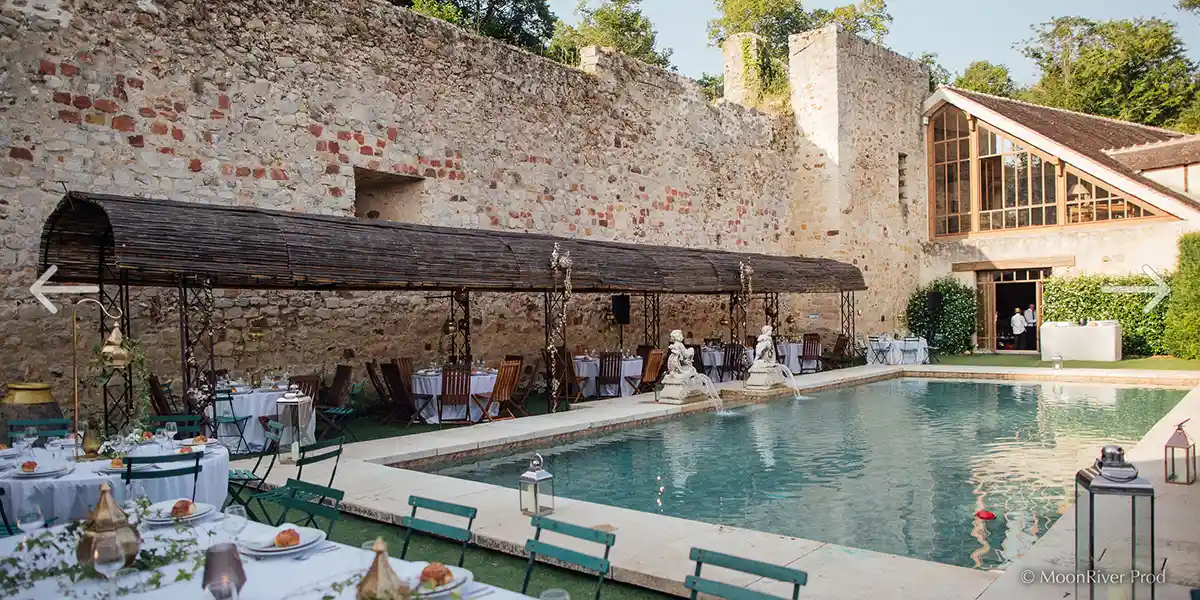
(460, 315)
(117, 399)
(651, 320)
(196, 340)
(847, 312)
(771, 310)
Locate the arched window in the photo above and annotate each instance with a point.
(951, 176)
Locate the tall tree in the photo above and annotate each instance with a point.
(618, 24)
(525, 23)
(775, 20)
(938, 75)
(438, 9)
(983, 76)
(1192, 5)
(713, 85)
(1134, 70)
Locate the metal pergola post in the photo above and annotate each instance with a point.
(196, 356)
(847, 313)
(460, 315)
(651, 320)
(117, 399)
(771, 310)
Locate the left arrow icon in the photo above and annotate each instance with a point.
(39, 289)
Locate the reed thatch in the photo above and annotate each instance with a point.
(154, 242)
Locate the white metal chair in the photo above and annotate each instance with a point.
(910, 346)
(881, 349)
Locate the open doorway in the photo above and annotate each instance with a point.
(1001, 295)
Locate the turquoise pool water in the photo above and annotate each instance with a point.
(898, 466)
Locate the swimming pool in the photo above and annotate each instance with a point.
(898, 466)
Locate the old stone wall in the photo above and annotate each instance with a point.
(293, 105)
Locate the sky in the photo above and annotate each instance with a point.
(959, 31)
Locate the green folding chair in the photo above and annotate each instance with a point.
(310, 454)
(537, 547)
(241, 481)
(442, 530)
(130, 474)
(230, 418)
(699, 585)
(188, 425)
(47, 428)
(298, 497)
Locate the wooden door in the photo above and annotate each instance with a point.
(985, 326)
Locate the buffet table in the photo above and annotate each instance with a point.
(1097, 341)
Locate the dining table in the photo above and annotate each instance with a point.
(587, 369)
(71, 493)
(427, 396)
(328, 570)
(256, 403)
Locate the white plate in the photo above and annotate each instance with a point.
(42, 471)
(265, 546)
(111, 469)
(9, 452)
(190, 442)
(461, 578)
(160, 512)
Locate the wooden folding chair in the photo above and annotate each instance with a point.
(403, 404)
(651, 370)
(158, 396)
(810, 352)
(503, 393)
(381, 389)
(838, 357)
(734, 356)
(610, 374)
(456, 391)
(309, 385)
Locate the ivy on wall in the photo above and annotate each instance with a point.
(954, 325)
(1075, 298)
(1182, 324)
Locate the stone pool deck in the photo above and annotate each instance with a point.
(652, 550)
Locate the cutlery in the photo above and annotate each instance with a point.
(327, 548)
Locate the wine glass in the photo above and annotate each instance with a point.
(30, 520)
(160, 438)
(222, 589)
(135, 498)
(172, 429)
(108, 557)
(235, 521)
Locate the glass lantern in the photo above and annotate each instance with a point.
(1179, 458)
(537, 489)
(1057, 361)
(1114, 530)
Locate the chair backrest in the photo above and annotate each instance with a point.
(643, 350)
(699, 585)
(910, 344)
(321, 452)
(340, 385)
(734, 354)
(456, 385)
(506, 381)
(610, 369)
(520, 358)
(653, 366)
(397, 386)
(327, 506)
(158, 396)
(811, 349)
(539, 547)
(841, 346)
(442, 530)
(405, 364)
(193, 469)
(49, 428)
(310, 385)
(185, 424)
(697, 358)
(7, 527)
(385, 394)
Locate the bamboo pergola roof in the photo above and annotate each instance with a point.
(155, 242)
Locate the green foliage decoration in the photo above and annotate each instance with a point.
(1182, 326)
(1083, 297)
(954, 327)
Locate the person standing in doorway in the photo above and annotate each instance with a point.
(1018, 329)
(1031, 331)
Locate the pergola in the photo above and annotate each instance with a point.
(118, 242)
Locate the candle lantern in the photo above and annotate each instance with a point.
(537, 489)
(1057, 361)
(1114, 529)
(1179, 458)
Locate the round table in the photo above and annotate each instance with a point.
(714, 358)
(72, 496)
(588, 369)
(427, 391)
(254, 404)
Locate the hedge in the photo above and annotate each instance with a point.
(955, 325)
(1182, 335)
(1075, 298)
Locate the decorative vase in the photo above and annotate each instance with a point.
(27, 401)
(28, 393)
(108, 521)
(91, 440)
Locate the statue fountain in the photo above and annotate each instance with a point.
(766, 375)
(682, 381)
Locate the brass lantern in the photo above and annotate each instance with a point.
(108, 521)
(537, 489)
(1114, 529)
(1180, 449)
(112, 353)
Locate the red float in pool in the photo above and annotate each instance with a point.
(986, 515)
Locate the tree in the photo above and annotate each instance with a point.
(938, 75)
(713, 85)
(775, 20)
(618, 24)
(1133, 70)
(525, 23)
(1192, 5)
(985, 77)
(439, 9)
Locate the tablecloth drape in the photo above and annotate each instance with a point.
(588, 369)
(429, 386)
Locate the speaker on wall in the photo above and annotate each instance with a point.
(934, 301)
(620, 309)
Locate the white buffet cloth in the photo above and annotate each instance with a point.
(714, 358)
(254, 404)
(428, 384)
(1098, 340)
(588, 369)
(277, 578)
(895, 354)
(73, 495)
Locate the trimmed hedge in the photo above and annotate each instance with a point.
(956, 325)
(1075, 298)
(1182, 335)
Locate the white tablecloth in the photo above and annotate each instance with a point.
(72, 496)
(1099, 341)
(588, 369)
(895, 354)
(714, 358)
(254, 404)
(429, 385)
(270, 579)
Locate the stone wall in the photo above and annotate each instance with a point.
(280, 104)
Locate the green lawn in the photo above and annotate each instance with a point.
(1031, 360)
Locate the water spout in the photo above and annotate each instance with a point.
(790, 379)
(698, 380)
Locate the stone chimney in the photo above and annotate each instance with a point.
(742, 53)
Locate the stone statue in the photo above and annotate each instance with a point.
(679, 363)
(764, 351)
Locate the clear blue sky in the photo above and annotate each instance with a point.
(960, 31)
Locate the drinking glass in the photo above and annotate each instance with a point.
(31, 435)
(171, 428)
(31, 521)
(235, 521)
(222, 589)
(135, 498)
(160, 437)
(108, 557)
(555, 594)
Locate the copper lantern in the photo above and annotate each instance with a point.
(1179, 449)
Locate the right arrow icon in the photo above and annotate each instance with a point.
(1161, 289)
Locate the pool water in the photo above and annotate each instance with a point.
(898, 466)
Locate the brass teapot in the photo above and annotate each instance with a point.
(108, 520)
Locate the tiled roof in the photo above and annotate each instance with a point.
(1172, 153)
(1092, 136)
